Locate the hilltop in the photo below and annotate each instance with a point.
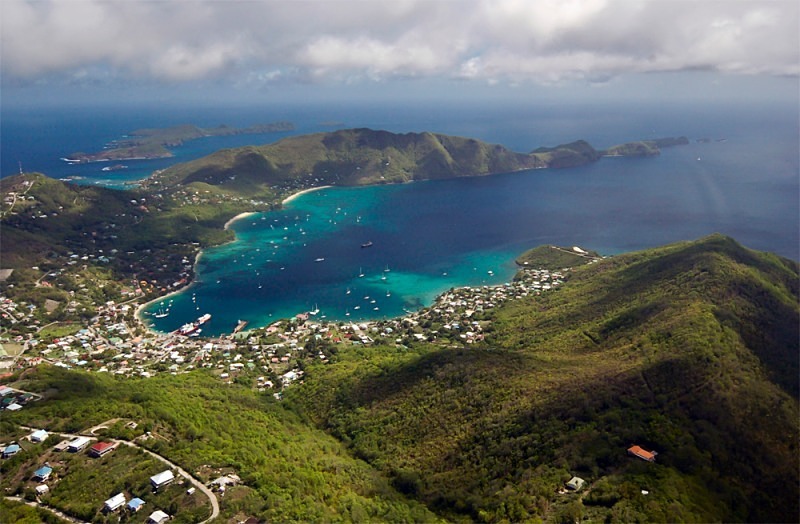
(354, 157)
(690, 350)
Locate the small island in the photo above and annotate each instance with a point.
(144, 144)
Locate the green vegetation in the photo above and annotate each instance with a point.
(364, 156)
(569, 155)
(690, 350)
(554, 257)
(290, 470)
(153, 143)
(645, 147)
(20, 513)
(654, 348)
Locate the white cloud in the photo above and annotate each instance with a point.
(488, 40)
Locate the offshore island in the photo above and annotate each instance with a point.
(651, 386)
(155, 142)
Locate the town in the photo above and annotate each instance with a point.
(271, 357)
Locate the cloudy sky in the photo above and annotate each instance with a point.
(254, 46)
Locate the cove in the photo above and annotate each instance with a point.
(427, 237)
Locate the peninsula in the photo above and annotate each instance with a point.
(155, 142)
(356, 157)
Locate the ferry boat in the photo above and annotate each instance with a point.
(191, 328)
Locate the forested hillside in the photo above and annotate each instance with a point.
(689, 350)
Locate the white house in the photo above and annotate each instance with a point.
(39, 435)
(77, 444)
(162, 479)
(114, 503)
(157, 517)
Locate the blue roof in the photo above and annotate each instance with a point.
(135, 503)
(43, 471)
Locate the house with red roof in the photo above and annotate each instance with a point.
(639, 452)
(101, 448)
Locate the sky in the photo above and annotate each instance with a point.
(61, 50)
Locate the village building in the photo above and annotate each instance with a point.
(162, 479)
(78, 444)
(114, 503)
(157, 517)
(11, 450)
(575, 483)
(637, 451)
(39, 435)
(135, 504)
(42, 474)
(101, 448)
(41, 489)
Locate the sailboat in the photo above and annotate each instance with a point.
(161, 313)
(360, 273)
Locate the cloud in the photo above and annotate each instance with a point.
(514, 41)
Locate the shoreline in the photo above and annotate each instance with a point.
(140, 309)
(237, 217)
(303, 192)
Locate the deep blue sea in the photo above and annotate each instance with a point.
(430, 236)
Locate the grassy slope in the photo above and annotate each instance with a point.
(554, 257)
(655, 348)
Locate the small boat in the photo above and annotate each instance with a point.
(367, 244)
(387, 269)
(348, 291)
(319, 259)
(360, 273)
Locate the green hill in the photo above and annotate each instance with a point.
(290, 471)
(690, 350)
(363, 156)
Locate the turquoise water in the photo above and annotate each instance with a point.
(437, 235)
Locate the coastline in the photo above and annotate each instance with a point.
(140, 308)
(237, 217)
(303, 192)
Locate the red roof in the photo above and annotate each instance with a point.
(100, 447)
(643, 454)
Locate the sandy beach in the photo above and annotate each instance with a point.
(139, 310)
(303, 192)
(237, 217)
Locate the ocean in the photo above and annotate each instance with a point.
(430, 236)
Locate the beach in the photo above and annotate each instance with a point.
(237, 217)
(303, 192)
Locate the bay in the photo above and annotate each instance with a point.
(435, 235)
(432, 236)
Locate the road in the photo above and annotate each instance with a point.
(199, 485)
(182, 472)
